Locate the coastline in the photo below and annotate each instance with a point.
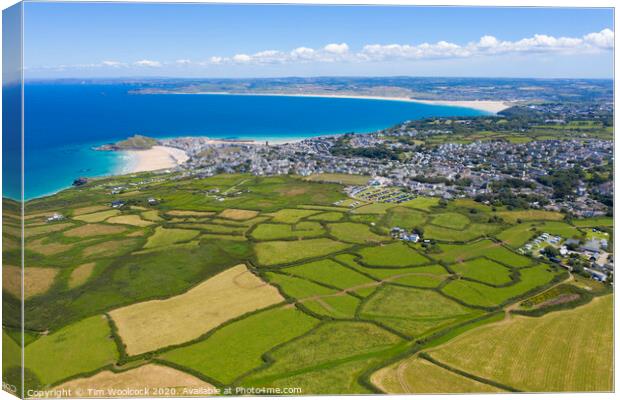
(489, 106)
(153, 159)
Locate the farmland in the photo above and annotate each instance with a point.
(151, 325)
(579, 362)
(284, 281)
(417, 375)
(153, 377)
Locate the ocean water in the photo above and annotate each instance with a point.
(63, 122)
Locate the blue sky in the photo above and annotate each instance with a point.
(201, 40)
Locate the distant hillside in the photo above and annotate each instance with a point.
(136, 142)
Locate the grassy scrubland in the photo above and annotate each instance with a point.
(284, 281)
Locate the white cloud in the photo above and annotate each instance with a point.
(114, 64)
(148, 63)
(337, 48)
(603, 39)
(303, 53)
(486, 46)
(242, 58)
(488, 41)
(490, 45)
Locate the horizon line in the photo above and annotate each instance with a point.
(161, 77)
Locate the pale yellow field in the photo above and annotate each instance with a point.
(48, 249)
(151, 215)
(93, 230)
(35, 215)
(238, 215)
(155, 324)
(530, 215)
(112, 247)
(88, 210)
(98, 216)
(134, 220)
(569, 350)
(37, 280)
(416, 375)
(81, 274)
(187, 213)
(12, 280)
(151, 376)
(8, 243)
(43, 229)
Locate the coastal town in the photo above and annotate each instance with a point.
(558, 159)
(510, 170)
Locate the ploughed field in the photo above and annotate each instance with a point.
(236, 280)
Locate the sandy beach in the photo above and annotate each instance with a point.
(490, 106)
(158, 157)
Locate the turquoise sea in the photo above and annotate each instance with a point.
(62, 122)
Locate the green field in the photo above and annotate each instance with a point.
(285, 252)
(298, 288)
(237, 348)
(164, 237)
(291, 216)
(355, 233)
(392, 255)
(284, 231)
(81, 347)
(386, 273)
(422, 203)
(478, 294)
(518, 235)
(329, 345)
(452, 253)
(593, 222)
(450, 220)
(472, 231)
(559, 228)
(340, 306)
(345, 179)
(530, 215)
(374, 208)
(330, 216)
(330, 273)
(405, 217)
(357, 301)
(413, 311)
(483, 270)
(570, 355)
